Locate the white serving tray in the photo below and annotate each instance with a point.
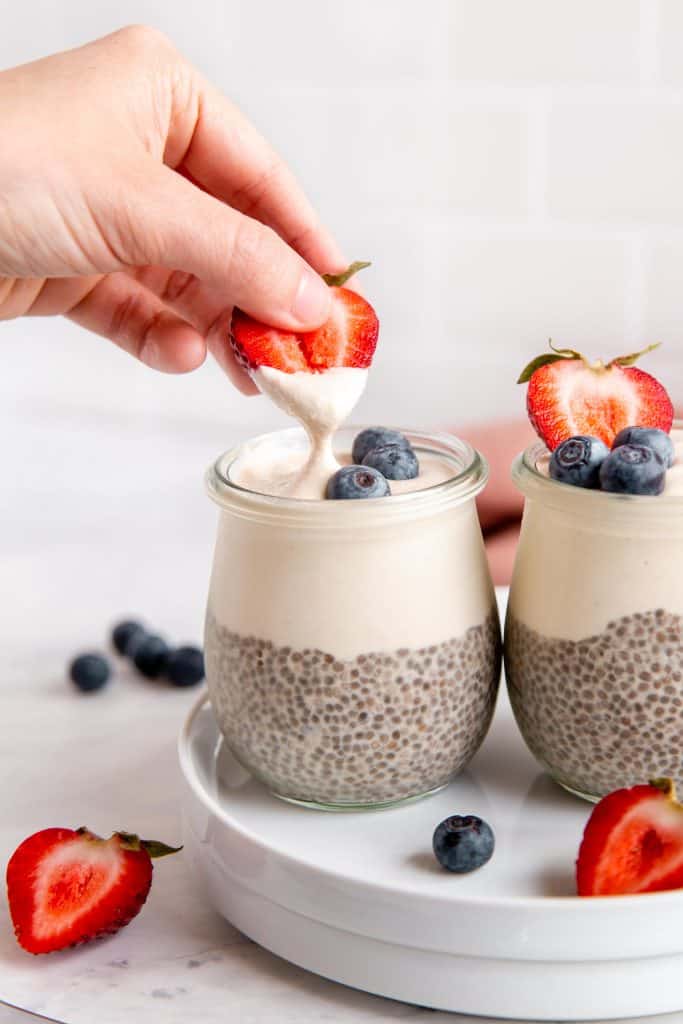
(359, 897)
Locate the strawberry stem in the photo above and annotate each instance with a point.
(130, 841)
(156, 849)
(667, 786)
(338, 280)
(598, 366)
(634, 357)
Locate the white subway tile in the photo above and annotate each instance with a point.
(663, 314)
(592, 41)
(616, 162)
(342, 44)
(670, 38)
(484, 163)
(353, 151)
(503, 298)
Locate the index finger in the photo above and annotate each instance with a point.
(222, 152)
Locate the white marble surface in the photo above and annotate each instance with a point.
(103, 516)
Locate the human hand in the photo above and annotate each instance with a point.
(138, 201)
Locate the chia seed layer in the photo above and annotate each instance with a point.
(374, 729)
(603, 712)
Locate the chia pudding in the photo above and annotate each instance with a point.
(603, 712)
(594, 631)
(352, 647)
(373, 729)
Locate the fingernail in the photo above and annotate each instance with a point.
(312, 301)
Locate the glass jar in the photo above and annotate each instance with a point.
(352, 647)
(594, 632)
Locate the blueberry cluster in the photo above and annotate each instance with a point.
(379, 455)
(637, 463)
(149, 653)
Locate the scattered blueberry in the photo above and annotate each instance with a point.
(633, 469)
(357, 482)
(394, 461)
(185, 666)
(374, 437)
(577, 461)
(463, 842)
(651, 437)
(89, 672)
(124, 632)
(150, 656)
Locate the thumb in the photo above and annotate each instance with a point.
(177, 225)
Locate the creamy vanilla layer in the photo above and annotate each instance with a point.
(586, 558)
(269, 466)
(405, 584)
(320, 402)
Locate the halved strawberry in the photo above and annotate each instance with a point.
(66, 887)
(347, 338)
(633, 842)
(567, 396)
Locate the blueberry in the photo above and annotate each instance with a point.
(185, 666)
(651, 437)
(124, 632)
(577, 461)
(357, 482)
(374, 437)
(633, 469)
(150, 656)
(462, 843)
(89, 672)
(393, 461)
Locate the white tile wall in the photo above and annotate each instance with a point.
(513, 169)
(545, 41)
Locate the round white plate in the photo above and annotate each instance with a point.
(359, 897)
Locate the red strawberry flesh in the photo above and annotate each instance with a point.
(568, 397)
(66, 887)
(633, 843)
(347, 338)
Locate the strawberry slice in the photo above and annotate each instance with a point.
(567, 396)
(66, 887)
(633, 842)
(347, 338)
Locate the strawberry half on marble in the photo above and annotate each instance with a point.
(633, 842)
(66, 887)
(570, 396)
(348, 337)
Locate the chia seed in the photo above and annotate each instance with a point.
(288, 716)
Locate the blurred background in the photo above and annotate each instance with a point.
(513, 170)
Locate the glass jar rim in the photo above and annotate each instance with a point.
(470, 477)
(535, 484)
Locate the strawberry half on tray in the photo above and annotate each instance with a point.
(348, 337)
(570, 396)
(633, 842)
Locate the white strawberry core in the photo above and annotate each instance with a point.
(578, 388)
(69, 881)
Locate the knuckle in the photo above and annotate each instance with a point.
(140, 38)
(178, 285)
(250, 246)
(125, 318)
